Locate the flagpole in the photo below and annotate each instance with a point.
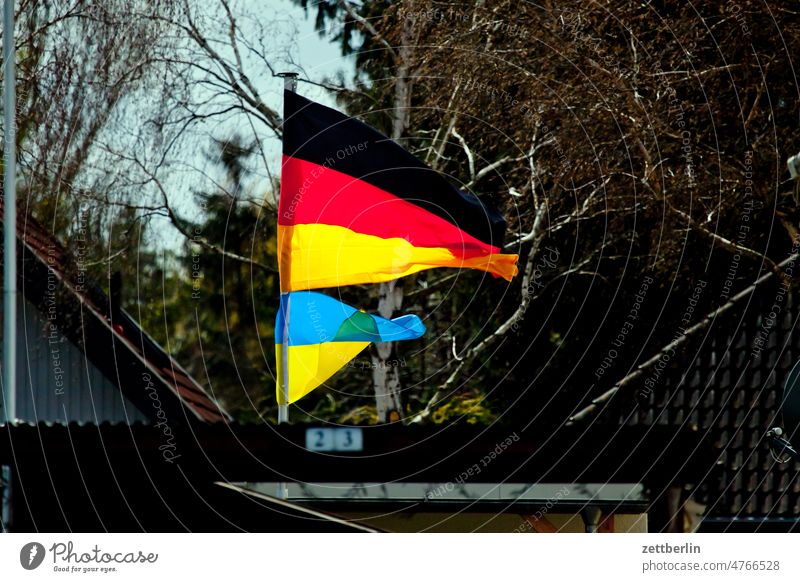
(289, 84)
(283, 409)
(10, 220)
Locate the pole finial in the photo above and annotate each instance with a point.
(289, 80)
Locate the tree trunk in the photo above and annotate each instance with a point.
(386, 375)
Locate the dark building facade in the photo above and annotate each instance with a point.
(726, 385)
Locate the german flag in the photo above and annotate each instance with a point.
(355, 208)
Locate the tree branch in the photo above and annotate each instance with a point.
(627, 381)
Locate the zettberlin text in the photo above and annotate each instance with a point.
(671, 549)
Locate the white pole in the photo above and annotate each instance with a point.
(10, 219)
(289, 84)
(283, 409)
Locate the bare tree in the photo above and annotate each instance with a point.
(83, 67)
(599, 137)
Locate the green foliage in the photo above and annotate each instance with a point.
(233, 302)
(470, 407)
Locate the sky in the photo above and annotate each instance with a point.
(294, 45)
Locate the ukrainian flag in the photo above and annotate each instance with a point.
(324, 335)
